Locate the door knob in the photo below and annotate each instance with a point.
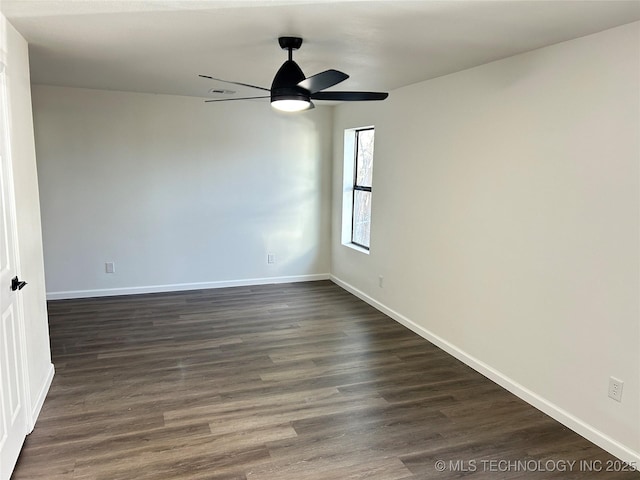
(17, 284)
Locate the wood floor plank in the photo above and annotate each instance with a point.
(275, 382)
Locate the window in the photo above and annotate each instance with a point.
(358, 176)
(361, 211)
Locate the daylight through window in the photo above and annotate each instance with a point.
(362, 182)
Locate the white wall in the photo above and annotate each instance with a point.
(178, 193)
(506, 224)
(13, 49)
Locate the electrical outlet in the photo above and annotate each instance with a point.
(615, 389)
(271, 258)
(380, 281)
(109, 267)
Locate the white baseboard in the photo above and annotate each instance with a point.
(108, 292)
(42, 394)
(582, 428)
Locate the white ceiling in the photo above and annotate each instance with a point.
(162, 46)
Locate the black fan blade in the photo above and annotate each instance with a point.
(350, 96)
(230, 99)
(235, 83)
(323, 80)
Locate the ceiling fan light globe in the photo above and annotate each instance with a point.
(290, 105)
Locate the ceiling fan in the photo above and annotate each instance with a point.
(291, 91)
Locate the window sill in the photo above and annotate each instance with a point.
(357, 248)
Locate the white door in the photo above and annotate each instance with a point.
(13, 420)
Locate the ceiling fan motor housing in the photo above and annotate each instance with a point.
(285, 83)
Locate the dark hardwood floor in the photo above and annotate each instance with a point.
(278, 382)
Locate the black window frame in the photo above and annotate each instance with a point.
(357, 187)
